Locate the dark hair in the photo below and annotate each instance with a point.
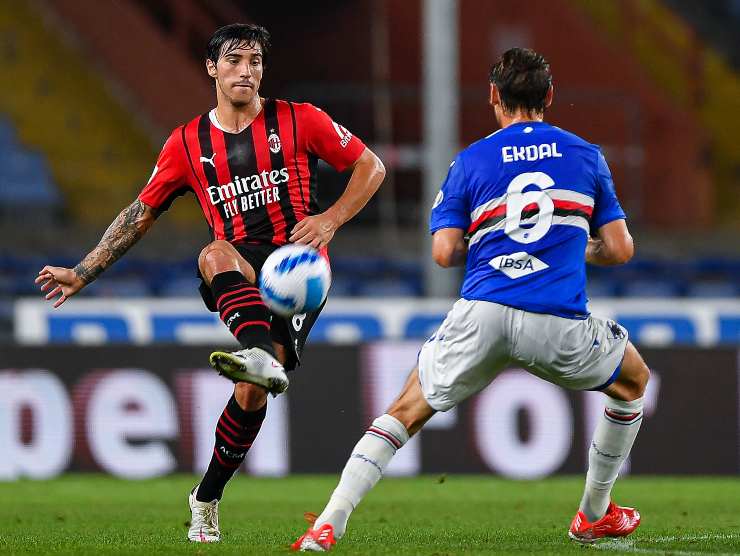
(523, 78)
(236, 35)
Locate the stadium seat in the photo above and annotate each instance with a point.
(183, 286)
(713, 288)
(386, 288)
(600, 287)
(651, 288)
(24, 175)
(342, 286)
(112, 286)
(7, 134)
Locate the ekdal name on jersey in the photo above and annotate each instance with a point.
(261, 189)
(530, 152)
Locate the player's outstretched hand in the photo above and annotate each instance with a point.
(59, 281)
(315, 231)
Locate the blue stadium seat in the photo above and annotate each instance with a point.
(24, 174)
(7, 135)
(387, 288)
(651, 288)
(342, 286)
(601, 287)
(713, 288)
(180, 287)
(112, 286)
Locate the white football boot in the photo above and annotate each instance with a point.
(253, 365)
(204, 520)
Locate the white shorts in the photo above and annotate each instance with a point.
(479, 339)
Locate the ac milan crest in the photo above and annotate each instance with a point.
(274, 142)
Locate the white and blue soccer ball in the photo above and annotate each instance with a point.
(295, 279)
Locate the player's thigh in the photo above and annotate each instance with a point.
(411, 407)
(466, 353)
(221, 256)
(573, 353)
(633, 377)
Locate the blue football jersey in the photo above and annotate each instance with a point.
(528, 196)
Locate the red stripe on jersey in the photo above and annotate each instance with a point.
(262, 154)
(558, 204)
(287, 132)
(300, 161)
(196, 152)
(498, 211)
(192, 150)
(572, 205)
(221, 161)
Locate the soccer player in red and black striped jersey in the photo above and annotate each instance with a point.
(252, 164)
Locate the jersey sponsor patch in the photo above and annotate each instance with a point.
(518, 264)
(344, 135)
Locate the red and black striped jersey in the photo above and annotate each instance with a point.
(254, 185)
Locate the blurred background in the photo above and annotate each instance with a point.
(115, 380)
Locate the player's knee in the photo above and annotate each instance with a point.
(214, 255)
(641, 379)
(249, 396)
(632, 384)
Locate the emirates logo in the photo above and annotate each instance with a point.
(274, 142)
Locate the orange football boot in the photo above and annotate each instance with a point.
(617, 522)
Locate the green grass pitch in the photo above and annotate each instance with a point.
(432, 516)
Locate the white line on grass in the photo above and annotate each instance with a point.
(707, 537)
(628, 545)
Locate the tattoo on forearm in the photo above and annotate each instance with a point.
(117, 239)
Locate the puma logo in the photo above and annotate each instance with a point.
(209, 160)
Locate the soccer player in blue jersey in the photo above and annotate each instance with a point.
(523, 209)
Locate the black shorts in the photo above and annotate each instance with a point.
(290, 332)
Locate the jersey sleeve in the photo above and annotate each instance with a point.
(328, 140)
(168, 180)
(606, 204)
(451, 208)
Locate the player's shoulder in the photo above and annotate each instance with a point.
(481, 147)
(191, 126)
(193, 123)
(304, 110)
(574, 139)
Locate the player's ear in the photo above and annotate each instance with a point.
(494, 98)
(211, 68)
(548, 96)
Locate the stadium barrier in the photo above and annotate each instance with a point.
(151, 410)
(650, 322)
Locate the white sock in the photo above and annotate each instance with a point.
(363, 470)
(612, 441)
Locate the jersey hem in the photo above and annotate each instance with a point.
(532, 308)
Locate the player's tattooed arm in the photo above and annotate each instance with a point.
(60, 283)
(128, 228)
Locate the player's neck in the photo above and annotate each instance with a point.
(505, 120)
(236, 118)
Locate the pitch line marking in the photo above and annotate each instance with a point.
(628, 545)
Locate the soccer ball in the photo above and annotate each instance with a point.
(294, 279)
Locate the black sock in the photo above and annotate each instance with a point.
(242, 310)
(235, 433)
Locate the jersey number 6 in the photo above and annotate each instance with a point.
(517, 201)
